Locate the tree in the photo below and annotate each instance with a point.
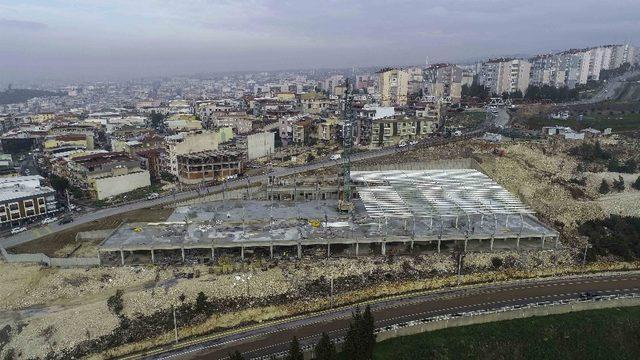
(115, 303)
(636, 184)
(604, 187)
(236, 356)
(202, 304)
(325, 349)
(618, 185)
(295, 353)
(361, 338)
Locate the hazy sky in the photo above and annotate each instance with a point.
(93, 39)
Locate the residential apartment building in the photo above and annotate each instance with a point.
(206, 166)
(444, 80)
(393, 86)
(505, 75)
(104, 175)
(187, 143)
(390, 131)
(24, 199)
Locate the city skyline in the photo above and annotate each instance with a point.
(90, 40)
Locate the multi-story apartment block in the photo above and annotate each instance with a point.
(444, 80)
(24, 199)
(392, 130)
(206, 166)
(393, 87)
(505, 75)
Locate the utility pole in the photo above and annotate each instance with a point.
(175, 323)
(331, 292)
(584, 257)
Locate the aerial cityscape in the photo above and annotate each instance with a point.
(277, 180)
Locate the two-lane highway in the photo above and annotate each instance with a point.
(270, 339)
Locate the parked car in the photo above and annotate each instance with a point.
(18, 230)
(153, 196)
(49, 220)
(413, 142)
(336, 157)
(65, 221)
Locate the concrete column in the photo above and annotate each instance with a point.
(384, 248)
(357, 249)
(153, 257)
(506, 222)
(328, 250)
(439, 241)
(213, 253)
(543, 242)
(411, 245)
(271, 251)
(242, 252)
(465, 244)
(518, 243)
(456, 221)
(299, 251)
(491, 244)
(481, 220)
(122, 257)
(99, 260)
(182, 250)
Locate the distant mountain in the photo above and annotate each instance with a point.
(13, 96)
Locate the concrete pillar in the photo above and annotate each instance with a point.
(481, 220)
(357, 249)
(411, 245)
(328, 250)
(465, 244)
(271, 251)
(99, 260)
(299, 251)
(182, 250)
(213, 253)
(543, 242)
(457, 221)
(518, 243)
(384, 248)
(557, 242)
(122, 257)
(242, 252)
(491, 245)
(439, 241)
(153, 257)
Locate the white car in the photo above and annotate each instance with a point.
(49, 220)
(336, 157)
(413, 142)
(153, 196)
(18, 230)
(402, 144)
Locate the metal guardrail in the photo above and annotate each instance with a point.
(539, 304)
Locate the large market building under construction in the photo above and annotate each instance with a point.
(395, 212)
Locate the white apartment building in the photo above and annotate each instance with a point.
(505, 75)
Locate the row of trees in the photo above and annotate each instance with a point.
(359, 342)
(544, 92)
(617, 185)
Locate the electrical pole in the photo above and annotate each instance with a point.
(331, 292)
(584, 257)
(175, 323)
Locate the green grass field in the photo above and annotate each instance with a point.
(596, 334)
(618, 122)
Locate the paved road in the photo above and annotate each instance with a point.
(35, 233)
(268, 340)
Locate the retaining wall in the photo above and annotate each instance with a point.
(40, 258)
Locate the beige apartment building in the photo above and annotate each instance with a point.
(393, 87)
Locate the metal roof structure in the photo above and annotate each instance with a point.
(434, 193)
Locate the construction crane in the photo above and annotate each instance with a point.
(344, 203)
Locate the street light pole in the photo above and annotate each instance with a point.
(584, 258)
(175, 323)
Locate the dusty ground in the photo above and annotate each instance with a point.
(62, 307)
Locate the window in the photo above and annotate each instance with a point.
(13, 206)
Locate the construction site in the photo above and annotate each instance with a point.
(392, 212)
